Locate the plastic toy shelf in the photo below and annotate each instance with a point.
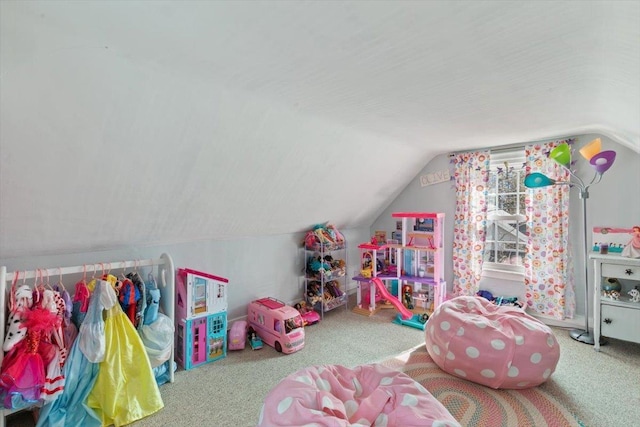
(324, 279)
(335, 303)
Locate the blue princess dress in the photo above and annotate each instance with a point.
(70, 409)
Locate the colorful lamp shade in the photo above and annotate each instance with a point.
(561, 154)
(536, 179)
(603, 161)
(591, 149)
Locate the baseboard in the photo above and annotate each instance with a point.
(576, 322)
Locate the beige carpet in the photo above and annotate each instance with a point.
(601, 389)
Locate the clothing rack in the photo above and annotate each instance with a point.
(166, 284)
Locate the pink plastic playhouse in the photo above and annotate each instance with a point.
(201, 318)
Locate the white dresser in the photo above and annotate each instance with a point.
(619, 319)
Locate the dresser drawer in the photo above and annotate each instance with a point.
(620, 271)
(620, 322)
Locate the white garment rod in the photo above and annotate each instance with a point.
(90, 269)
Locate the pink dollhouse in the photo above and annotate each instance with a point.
(201, 318)
(414, 265)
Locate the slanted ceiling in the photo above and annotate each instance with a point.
(139, 123)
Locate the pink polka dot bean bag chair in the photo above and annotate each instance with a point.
(496, 346)
(368, 395)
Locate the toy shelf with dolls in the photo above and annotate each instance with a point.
(325, 260)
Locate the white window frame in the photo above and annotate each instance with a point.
(508, 161)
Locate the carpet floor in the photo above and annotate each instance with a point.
(600, 389)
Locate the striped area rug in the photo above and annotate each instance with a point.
(476, 405)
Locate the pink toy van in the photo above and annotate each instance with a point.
(277, 324)
(238, 335)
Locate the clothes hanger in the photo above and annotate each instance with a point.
(83, 279)
(60, 285)
(92, 283)
(48, 284)
(124, 270)
(37, 286)
(152, 280)
(12, 295)
(48, 294)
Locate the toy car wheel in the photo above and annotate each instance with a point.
(278, 347)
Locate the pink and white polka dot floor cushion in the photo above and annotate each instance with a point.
(496, 346)
(367, 395)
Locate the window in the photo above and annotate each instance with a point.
(485, 243)
(506, 234)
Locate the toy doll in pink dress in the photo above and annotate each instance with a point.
(632, 250)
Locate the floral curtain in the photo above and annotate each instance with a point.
(471, 175)
(548, 271)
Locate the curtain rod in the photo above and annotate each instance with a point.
(492, 149)
(510, 147)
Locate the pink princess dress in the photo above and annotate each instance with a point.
(23, 372)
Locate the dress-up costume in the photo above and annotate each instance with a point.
(54, 380)
(141, 304)
(152, 297)
(129, 296)
(80, 303)
(23, 373)
(125, 388)
(70, 409)
(20, 301)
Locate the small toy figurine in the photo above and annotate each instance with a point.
(254, 339)
(407, 300)
(632, 250)
(635, 295)
(612, 294)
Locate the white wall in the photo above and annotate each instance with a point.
(615, 201)
(256, 267)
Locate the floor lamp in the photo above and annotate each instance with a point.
(601, 161)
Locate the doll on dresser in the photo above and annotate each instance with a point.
(632, 250)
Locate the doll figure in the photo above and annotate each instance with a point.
(632, 250)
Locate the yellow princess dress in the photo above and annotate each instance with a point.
(125, 389)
